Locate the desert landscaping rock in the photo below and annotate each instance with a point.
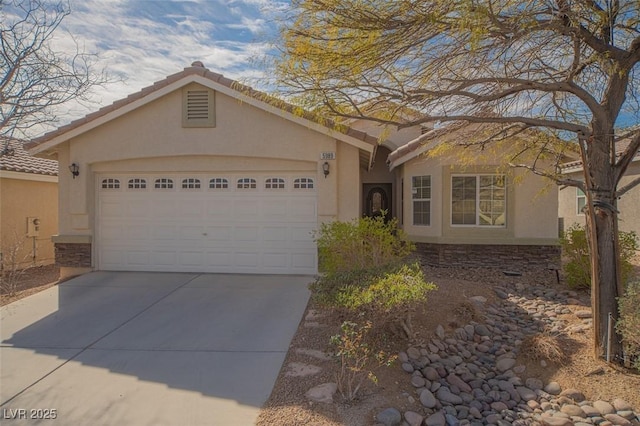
(298, 369)
(471, 377)
(322, 393)
(389, 417)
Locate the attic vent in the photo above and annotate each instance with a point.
(198, 107)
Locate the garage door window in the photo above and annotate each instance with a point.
(137, 184)
(303, 183)
(274, 183)
(218, 183)
(191, 183)
(246, 183)
(164, 183)
(110, 183)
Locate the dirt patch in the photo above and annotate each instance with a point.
(31, 281)
(450, 307)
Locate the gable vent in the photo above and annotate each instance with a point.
(198, 108)
(197, 105)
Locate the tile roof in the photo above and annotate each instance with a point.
(621, 146)
(197, 68)
(14, 158)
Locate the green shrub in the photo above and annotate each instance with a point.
(628, 324)
(361, 244)
(575, 249)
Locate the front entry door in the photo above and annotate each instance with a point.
(377, 200)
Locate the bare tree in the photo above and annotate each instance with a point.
(35, 80)
(570, 68)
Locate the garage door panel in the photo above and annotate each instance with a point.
(246, 233)
(218, 233)
(137, 208)
(191, 258)
(206, 230)
(246, 259)
(164, 258)
(138, 257)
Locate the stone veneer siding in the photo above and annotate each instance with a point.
(77, 255)
(491, 256)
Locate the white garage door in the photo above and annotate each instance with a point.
(243, 223)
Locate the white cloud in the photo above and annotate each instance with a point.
(142, 41)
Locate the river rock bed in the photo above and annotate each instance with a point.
(471, 376)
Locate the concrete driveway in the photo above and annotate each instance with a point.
(135, 348)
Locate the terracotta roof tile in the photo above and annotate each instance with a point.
(198, 69)
(16, 159)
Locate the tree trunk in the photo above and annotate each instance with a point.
(602, 228)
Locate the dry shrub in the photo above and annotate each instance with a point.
(543, 346)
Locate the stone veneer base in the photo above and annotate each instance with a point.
(490, 255)
(76, 255)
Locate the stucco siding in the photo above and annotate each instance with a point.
(628, 204)
(21, 199)
(246, 138)
(531, 205)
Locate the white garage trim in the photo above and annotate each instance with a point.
(218, 222)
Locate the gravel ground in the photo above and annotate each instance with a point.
(447, 306)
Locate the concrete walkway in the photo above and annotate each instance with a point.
(140, 349)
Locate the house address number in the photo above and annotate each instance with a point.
(328, 156)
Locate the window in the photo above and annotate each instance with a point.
(137, 184)
(191, 183)
(274, 183)
(218, 183)
(303, 183)
(246, 183)
(163, 183)
(581, 201)
(421, 195)
(110, 183)
(478, 200)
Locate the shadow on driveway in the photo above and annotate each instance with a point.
(148, 348)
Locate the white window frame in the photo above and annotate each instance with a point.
(218, 183)
(110, 183)
(246, 183)
(477, 223)
(580, 195)
(163, 183)
(137, 183)
(303, 183)
(191, 183)
(274, 183)
(415, 199)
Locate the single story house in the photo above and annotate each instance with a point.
(571, 200)
(28, 206)
(199, 173)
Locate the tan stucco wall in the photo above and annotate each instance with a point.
(628, 204)
(246, 138)
(531, 205)
(20, 199)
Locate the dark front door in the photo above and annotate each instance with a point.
(377, 200)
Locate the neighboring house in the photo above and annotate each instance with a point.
(199, 173)
(572, 200)
(28, 206)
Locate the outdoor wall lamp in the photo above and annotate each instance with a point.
(74, 168)
(325, 169)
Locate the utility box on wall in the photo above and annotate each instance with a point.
(33, 227)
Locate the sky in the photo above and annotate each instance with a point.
(139, 42)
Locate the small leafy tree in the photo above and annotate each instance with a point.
(575, 248)
(357, 359)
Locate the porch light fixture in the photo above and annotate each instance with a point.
(74, 168)
(325, 169)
